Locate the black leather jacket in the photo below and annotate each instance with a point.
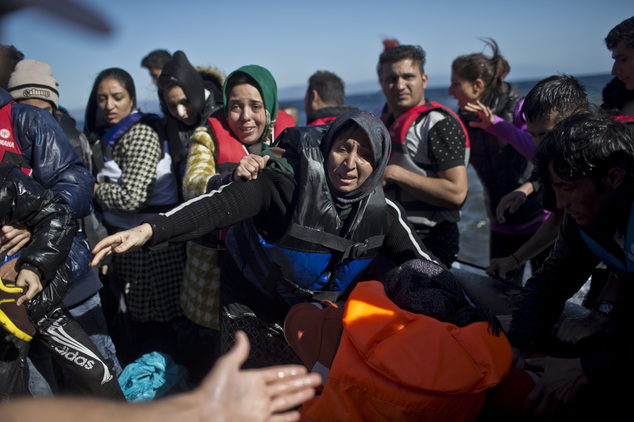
(52, 222)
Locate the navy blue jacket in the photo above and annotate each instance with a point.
(56, 166)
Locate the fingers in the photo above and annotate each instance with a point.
(103, 252)
(121, 242)
(18, 246)
(28, 279)
(250, 166)
(499, 211)
(291, 416)
(492, 269)
(240, 350)
(292, 393)
(13, 239)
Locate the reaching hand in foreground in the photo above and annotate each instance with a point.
(227, 394)
(125, 241)
(257, 394)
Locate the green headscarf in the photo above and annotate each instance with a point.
(268, 90)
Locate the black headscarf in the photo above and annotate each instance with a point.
(424, 287)
(381, 147)
(178, 68)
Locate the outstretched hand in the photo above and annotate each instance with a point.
(484, 113)
(265, 394)
(125, 241)
(249, 167)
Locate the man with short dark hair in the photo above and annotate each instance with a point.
(589, 162)
(324, 99)
(154, 63)
(427, 173)
(620, 41)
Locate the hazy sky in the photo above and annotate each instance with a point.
(295, 38)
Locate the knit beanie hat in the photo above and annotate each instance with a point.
(33, 79)
(423, 287)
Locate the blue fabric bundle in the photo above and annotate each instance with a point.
(151, 376)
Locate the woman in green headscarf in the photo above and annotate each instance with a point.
(248, 122)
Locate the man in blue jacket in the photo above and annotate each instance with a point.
(31, 139)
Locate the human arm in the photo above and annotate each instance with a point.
(201, 163)
(271, 193)
(514, 132)
(448, 190)
(484, 113)
(247, 169)
(560, 382)
(513, 200)
(121, 242)
(575, 330)
(435, 144)
(544, 295)
(401, 242)
(29, 280)
(137, 153)
(47, 216)
(13, 238)
(249, 166)
(227, 394)
(540, 240)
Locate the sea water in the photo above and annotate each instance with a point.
(474, 228)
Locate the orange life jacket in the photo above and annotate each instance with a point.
(394, 365)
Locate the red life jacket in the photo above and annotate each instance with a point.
(322, 121)
(9, 149)
(418, 212)
(394, 365)
(399, 128)
(624, 119)
(230, 150)
(228, 146)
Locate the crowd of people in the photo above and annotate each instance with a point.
(328, 245)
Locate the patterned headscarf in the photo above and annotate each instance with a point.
(424, 287)
(381, 148)
(268, 90)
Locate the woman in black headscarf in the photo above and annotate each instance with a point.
(307, 228)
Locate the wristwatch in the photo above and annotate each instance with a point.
(604, 307)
